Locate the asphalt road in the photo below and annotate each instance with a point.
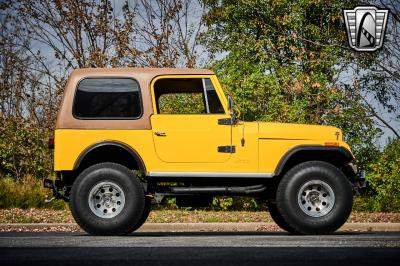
(244, 248)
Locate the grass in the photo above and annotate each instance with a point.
(27, 192)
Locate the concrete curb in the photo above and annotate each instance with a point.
(197, 227)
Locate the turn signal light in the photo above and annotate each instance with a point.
(336, 144)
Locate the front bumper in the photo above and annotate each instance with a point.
(359, 180)
(355, 176)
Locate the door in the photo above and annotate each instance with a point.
(185, 125)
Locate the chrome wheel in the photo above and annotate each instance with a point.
(106, 199)
(316, 198)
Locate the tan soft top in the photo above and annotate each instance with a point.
(144, 76)
(153, 72)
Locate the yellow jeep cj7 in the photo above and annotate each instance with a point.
(127, 138)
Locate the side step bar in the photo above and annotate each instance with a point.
(218, 190)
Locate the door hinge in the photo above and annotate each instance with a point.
(227, 149)
(225, 121)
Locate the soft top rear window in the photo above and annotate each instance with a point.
(107, 98)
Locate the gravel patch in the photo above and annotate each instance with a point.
(10, 216)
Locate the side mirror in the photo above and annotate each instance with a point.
(230, 104)
(231, 110)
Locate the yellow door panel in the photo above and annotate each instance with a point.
(190, 138)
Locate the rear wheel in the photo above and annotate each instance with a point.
(314, 198)
(145, 214)
(107, 199)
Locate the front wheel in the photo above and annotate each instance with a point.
(107, 199)
(314, 198)
(278, 219)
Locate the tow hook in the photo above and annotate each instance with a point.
(356, 177)
(360, 179)
(49, 200)
(55, 186)
(359, 182)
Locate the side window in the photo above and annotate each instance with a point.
(181, 103)
(107, 98)
(214, 103)
(186, 96)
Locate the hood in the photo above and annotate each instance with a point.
(298, 132)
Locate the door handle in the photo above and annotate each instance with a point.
(160, 134)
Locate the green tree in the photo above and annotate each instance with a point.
(385, 178)
(282, 61)
(377, 74)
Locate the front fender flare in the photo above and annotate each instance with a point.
(345, 155)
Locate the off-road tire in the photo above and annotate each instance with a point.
(134, 200)
(289, 193)
(278, 219)
(145, 214)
